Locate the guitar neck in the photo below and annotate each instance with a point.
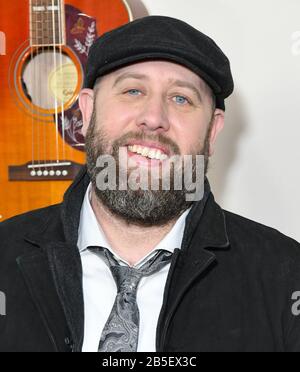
(47, 23)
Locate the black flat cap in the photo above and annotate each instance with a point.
(161, 38)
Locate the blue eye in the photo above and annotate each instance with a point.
(134, 92)
(181, 100)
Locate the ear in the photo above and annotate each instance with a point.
(216, 127)
(86, 104)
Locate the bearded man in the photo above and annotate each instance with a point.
(132, 260)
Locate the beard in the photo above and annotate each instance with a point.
(143, 208)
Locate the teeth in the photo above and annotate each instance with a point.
(152, 154)
(148, 152)
(145, 151)
(139, 150)
(164, 157)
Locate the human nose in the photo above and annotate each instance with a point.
(154, 115)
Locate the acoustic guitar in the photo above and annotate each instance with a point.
(47, 44)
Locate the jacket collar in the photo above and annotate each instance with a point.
(206, 219)
(206, 224)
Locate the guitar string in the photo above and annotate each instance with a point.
(55, 81)
(36, 86)
(31, 32)
(48, 146)
(34, 82)
(60, 31)
(42, 66)
(38, 61)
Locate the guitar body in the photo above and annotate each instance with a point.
(41, 145)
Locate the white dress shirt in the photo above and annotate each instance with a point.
(99, 288)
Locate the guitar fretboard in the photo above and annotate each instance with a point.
(47, 22)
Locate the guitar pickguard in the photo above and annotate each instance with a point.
(81, 30)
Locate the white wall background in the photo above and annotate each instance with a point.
(255, 171)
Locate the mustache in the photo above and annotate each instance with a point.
(142, 136)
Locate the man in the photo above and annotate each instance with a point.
(142, 269)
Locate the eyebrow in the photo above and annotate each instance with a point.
(129, 75)
(178, 83)
(186, 84)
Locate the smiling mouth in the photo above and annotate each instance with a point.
(149, 153)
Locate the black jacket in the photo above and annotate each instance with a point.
(229, 288)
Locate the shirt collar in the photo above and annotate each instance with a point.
(90, 232)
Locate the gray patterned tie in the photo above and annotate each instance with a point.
(121, 331)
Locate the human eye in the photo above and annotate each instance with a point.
(181, 100)
(133, 92)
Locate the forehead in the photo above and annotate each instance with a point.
(163, 71)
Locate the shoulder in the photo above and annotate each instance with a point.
(261, 242)
(28, 223)
(243, 226)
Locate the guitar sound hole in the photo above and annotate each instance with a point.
(49, 79)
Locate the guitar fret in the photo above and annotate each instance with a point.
(46, 38)
(46, 21)
(48, 24)
(45, 15)
(48, 14)
(45, 3)
(37, 21)
(44, 43)
(50, 8)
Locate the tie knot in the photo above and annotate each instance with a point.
(127, 278)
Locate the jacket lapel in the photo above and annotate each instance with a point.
(205, 230)
(65, 266)
(53, 273)
(35, 270)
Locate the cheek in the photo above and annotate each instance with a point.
(114, 119)
(190, 133)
